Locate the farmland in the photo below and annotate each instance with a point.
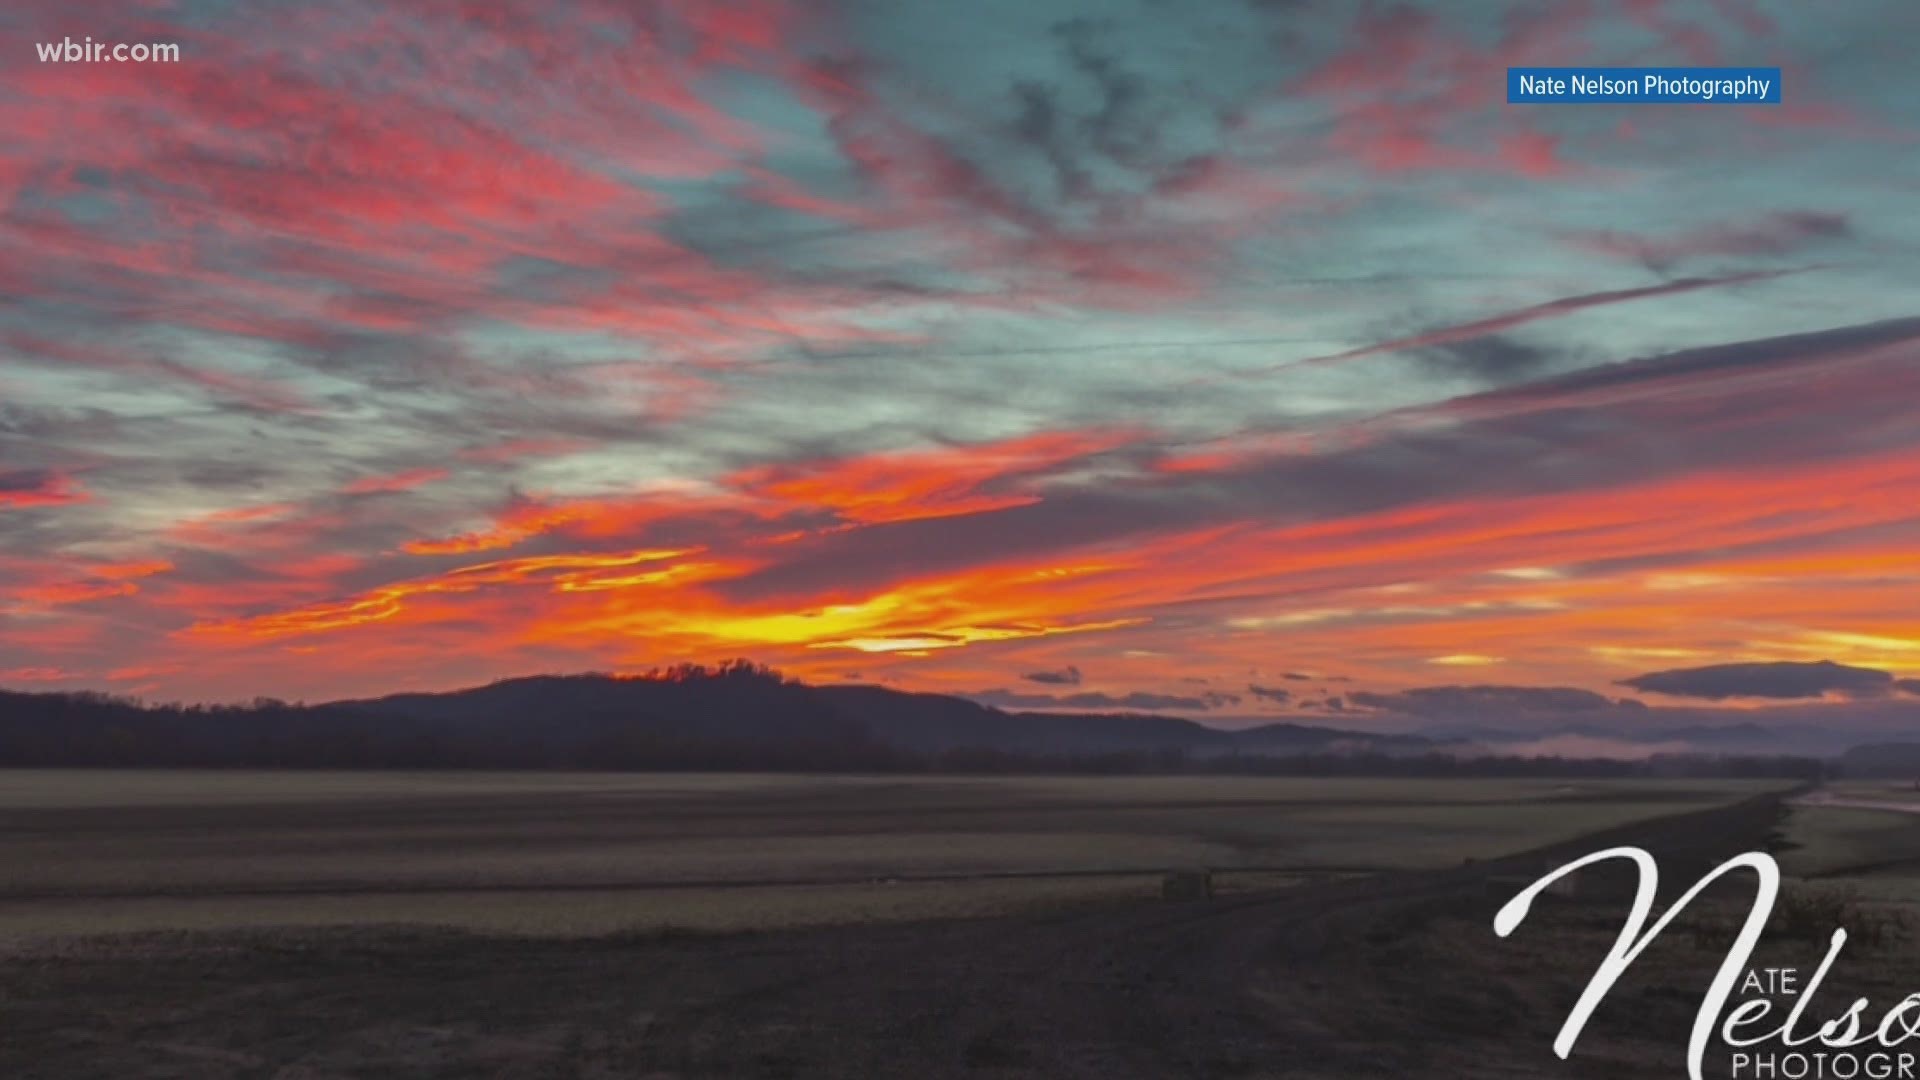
(567, 854)
(1860, 836)
(305, 925)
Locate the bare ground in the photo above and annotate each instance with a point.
(1381, 976)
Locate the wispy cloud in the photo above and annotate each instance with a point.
(960, 346)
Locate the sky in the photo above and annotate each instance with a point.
(1232, 359)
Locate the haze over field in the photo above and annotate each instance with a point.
(1059, 355)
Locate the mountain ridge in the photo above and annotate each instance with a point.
(735, 716)
(913, 721)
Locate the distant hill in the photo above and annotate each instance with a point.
(731, 704)
(745, 704)
(938, 722)
(1895, 760)
(733, 716)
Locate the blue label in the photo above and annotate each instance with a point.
(1627, 85)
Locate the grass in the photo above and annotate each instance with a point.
(325, 984)
(584, 913)
(1842, 840)
(91, 852)
(28, 789)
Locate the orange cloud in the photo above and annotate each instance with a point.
(401, 481)
(95, 581)
(1566, 587)
(934, 483)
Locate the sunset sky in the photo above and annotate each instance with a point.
(1107, 353)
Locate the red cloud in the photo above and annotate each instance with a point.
(1409, 93)
(45, 674)
(310, 204)
(927, 483)
(29, 488)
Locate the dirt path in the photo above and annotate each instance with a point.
(1260, 985)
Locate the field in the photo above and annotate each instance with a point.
(1860, 836)
(571, 854)
(310, 925)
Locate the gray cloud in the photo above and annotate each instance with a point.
(1780, 233)
(1479, 329)
(1495, 359)
(1277, 694)
(1786, 350)
(1067, 676)
(1780, 680)
(27, 481)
